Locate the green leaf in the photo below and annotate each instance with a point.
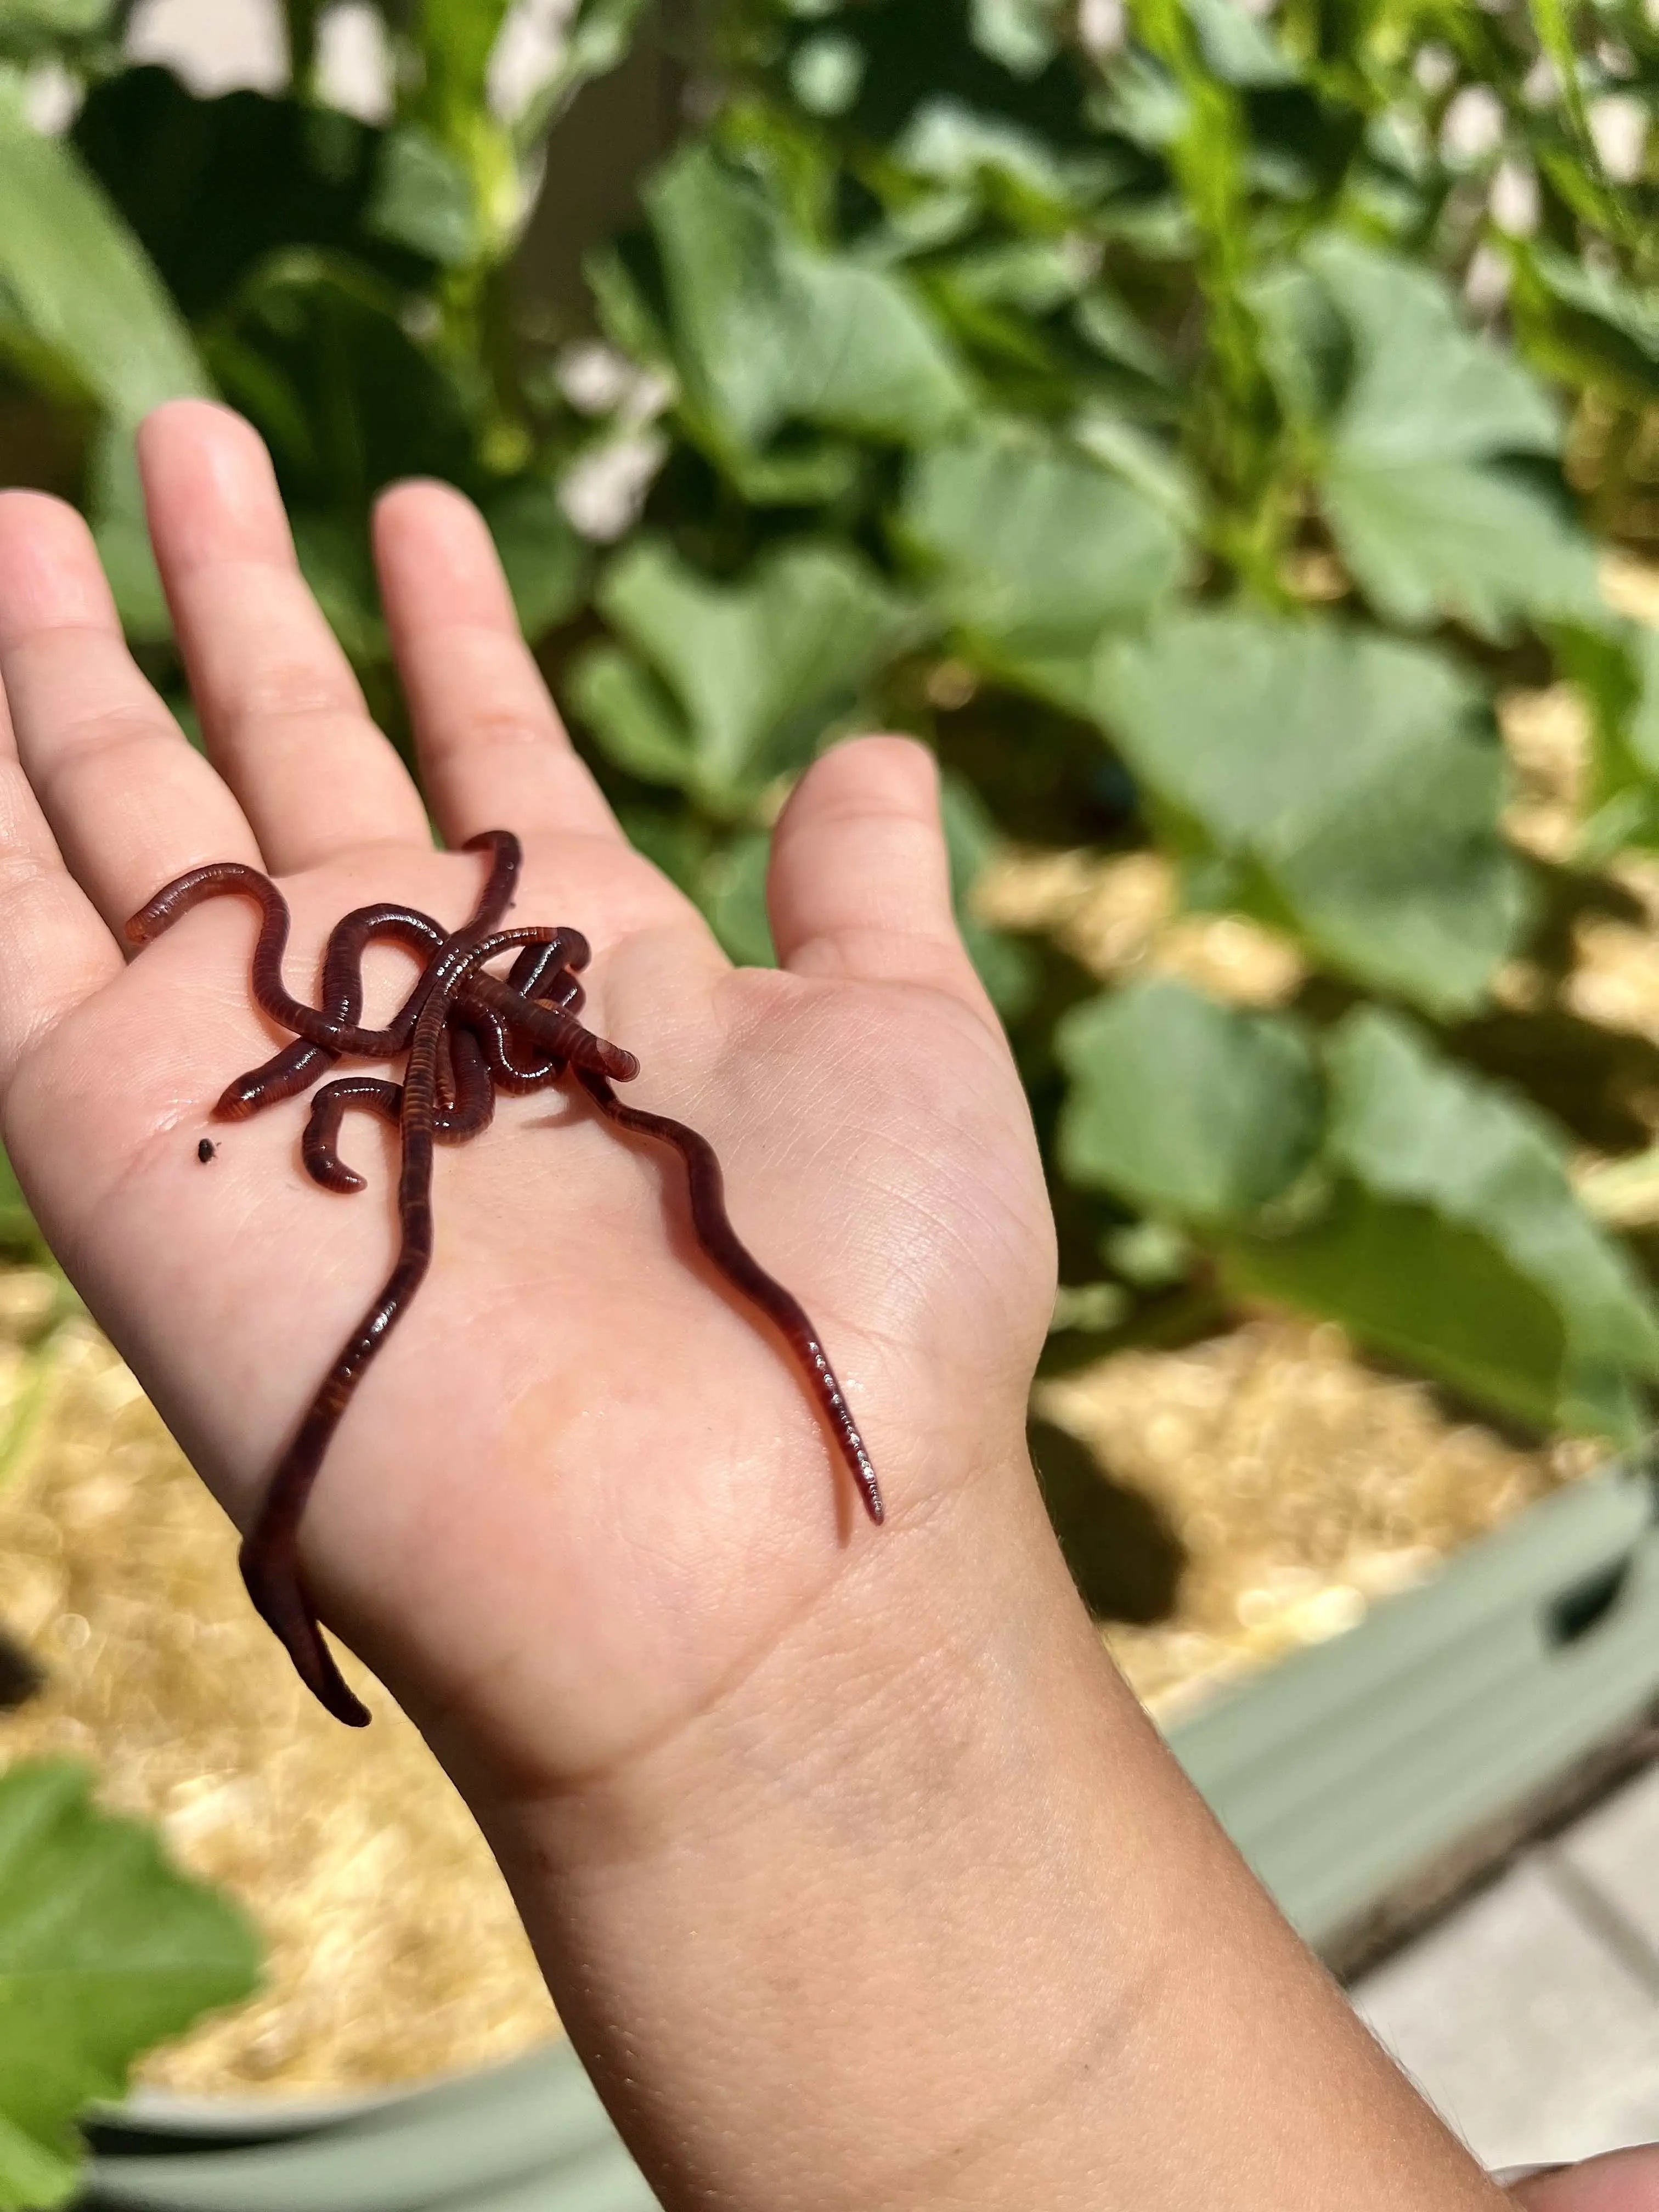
(1426, 520)
(1616, 666)
(1418, 1289)
(1023, 35)
(313, 349)
(1183, 1106)
(546, 561)
(105, 1952)
(1445, 1163)
(757, 670)
(1239, 48)
(457, 38)
(335, 559)
(424, 199)
(951, 144)
(276, 173)
(76, 279)
(1424, 389)
(120, 529)
(1451, 538)
(733, 894)
(972, 842)
(769, 330)
(78, 296)
(1581, 324)
(1034, 548)
(1144, 462)
(30, 29)
(634, 720)
(1352, 781)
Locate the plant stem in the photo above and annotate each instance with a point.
(302, 17)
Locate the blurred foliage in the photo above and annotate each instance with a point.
(105, 1950)
(1188, 416)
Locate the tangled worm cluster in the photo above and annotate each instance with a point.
(467, 1034)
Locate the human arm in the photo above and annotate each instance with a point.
(858, 1878)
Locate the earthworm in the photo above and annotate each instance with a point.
(220, 879)
(467, 1034)
(722, 1244)
(270, 1553)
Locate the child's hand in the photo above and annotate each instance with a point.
(581, 1488)
(860, 1879)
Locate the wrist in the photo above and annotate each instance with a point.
(920, 1911)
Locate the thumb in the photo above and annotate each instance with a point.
(1623, 2181)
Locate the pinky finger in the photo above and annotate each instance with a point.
(54, 950)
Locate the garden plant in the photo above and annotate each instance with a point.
(1192, 419)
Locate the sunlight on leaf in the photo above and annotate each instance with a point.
(1381, 850)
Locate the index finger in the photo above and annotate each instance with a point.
(131, 802)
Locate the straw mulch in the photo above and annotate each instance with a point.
(393, 1951)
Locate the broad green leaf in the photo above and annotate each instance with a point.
(1145, 462)
(105, 1951)
(1420, 1289)
(1350, 776)
(1307, 348)
(1442, 1161)
(1108, 326)
(1033, 275)
(78, 296)
(768, 329)
(77, 282)
(314, 350)
(634, 720)
(1185, 1107)
(1453, 539)
(1426, 519)
(1034, 548)
(1424, 389)
(424, 199)
(757, 670)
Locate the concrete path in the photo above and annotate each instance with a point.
(1530, 2015)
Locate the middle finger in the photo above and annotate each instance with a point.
(283, 718)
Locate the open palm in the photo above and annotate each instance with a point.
(581, 1490)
